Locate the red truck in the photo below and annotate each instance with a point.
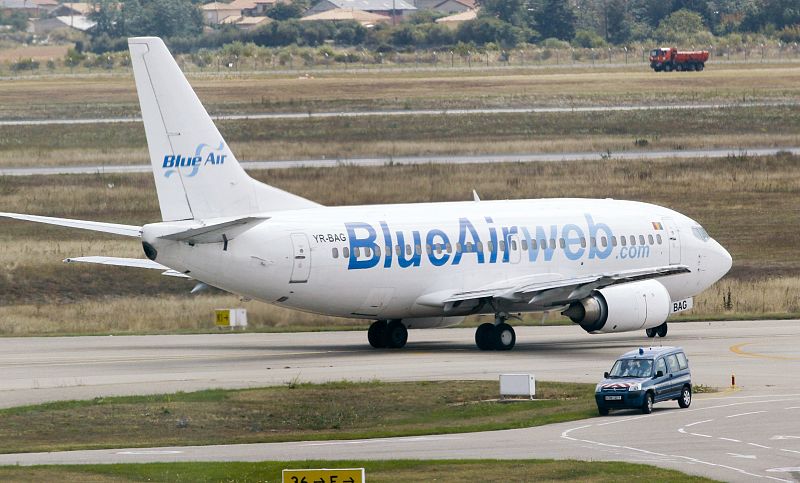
(669, 59)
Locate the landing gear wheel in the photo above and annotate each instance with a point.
(377, 334)
(396, 335)
(647, 406)
(650, 332)
(602, 411)
(661, 330)
(483, 336)
(686, 397)
(504, 337)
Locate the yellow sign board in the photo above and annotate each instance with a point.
(345, 475)
(223, 318)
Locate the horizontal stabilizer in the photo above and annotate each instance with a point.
(216, 232)
(117, 229)
(128, 262)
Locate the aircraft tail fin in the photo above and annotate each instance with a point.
(196, 174)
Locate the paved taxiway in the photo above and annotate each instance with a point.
(410, 160)
(742, 435)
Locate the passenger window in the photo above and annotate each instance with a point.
(613, 241)
(398, 250)
(682, 362)
(623, 240)
(593, 241)
(428, 249)
(524, 245)
(502, 244)
(490, 246)
(660, 366)
(408, 249)
(650, 239)
(552, 243)
(514, 245)
(356, 252)
(449, 248)
(633, 240)
(583, 242)
(417, 249)
(367, 252)
(468, 247)
(458, 247)
(479, 246)
(658, 239)
(603, 242)
(345, 252)
(335, 252)
(562, 243)
(534, 244)
(641, 239)
(439, 247)
(672, 363)
(377, 251)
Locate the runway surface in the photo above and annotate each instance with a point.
(410, 160)
(409, 112)
(736, 435)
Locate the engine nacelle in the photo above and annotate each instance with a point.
(622, 308)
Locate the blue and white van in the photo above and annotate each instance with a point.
(645, 376)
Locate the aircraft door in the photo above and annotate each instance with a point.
(674, 242)
(301, 258)
(514, 248)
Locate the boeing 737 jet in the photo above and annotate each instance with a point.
(609, 265)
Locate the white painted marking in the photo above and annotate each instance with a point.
(682, 430)
(150, 451)
(778, 437)
(790, 451)
(380, 440)
(730, 439)
(701, 435)
(746, 456)
(744, 414)
(793, 407)
(698, 422)
(759, 445)
(625, 420)
(791, 469)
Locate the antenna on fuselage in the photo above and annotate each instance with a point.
(475, 196)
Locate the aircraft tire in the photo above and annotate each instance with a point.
(483, 336)
(650, 332)
(396, 335)
(661, 330)
(377, 334)
(504, 337)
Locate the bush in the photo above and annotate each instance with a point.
(588, 39)
(24, 64)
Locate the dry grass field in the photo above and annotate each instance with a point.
(748, 204)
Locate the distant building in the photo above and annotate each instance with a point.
(74, 8)
(455, 20)
(43, 26)
(366, 19)
(445, 6)
(32, 8)
(255, 8)
(215, 12)
(246, 23)
(388, 8)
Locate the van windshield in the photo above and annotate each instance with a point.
(632, 368)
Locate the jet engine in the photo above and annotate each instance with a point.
(622, 308)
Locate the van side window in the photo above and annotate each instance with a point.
(672, 363)
(661, 366)
(682, 362)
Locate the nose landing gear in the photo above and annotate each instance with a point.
(498, 336)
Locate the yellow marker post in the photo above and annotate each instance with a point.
(343, 475)
(223, 318)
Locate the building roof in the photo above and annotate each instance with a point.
(45, 3)
(245, 21)
(215, 6)
(459, 17)
(251, 4)
(82, 8)
(78, 22)
(373, 5)
(343, 14)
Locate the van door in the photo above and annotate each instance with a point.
(301, 258)
(661, 386)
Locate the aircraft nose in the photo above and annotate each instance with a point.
(721, 260)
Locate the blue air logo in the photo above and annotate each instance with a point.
(173, 162)
(440, 249)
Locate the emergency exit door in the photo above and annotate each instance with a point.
(301, 262)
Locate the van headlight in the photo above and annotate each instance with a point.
(635, 387)
(598, 387)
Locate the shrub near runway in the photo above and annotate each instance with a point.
(294, 412)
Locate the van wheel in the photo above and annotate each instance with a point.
(602, 411)
(686, 397)
(647, 406)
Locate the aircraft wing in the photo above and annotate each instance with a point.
(117, 229)
(128, 262)
(545, 290)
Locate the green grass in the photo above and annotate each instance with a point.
(456, 471)
(342, 410)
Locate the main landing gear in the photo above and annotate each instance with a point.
(390, 334)
(660, 331)
(498, 336)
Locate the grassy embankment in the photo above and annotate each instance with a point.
(446, 471)
(748, 204)
(296, 412)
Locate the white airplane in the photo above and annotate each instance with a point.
(609, 265)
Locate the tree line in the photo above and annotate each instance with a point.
(501, 23)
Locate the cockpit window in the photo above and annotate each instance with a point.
(700, 233)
